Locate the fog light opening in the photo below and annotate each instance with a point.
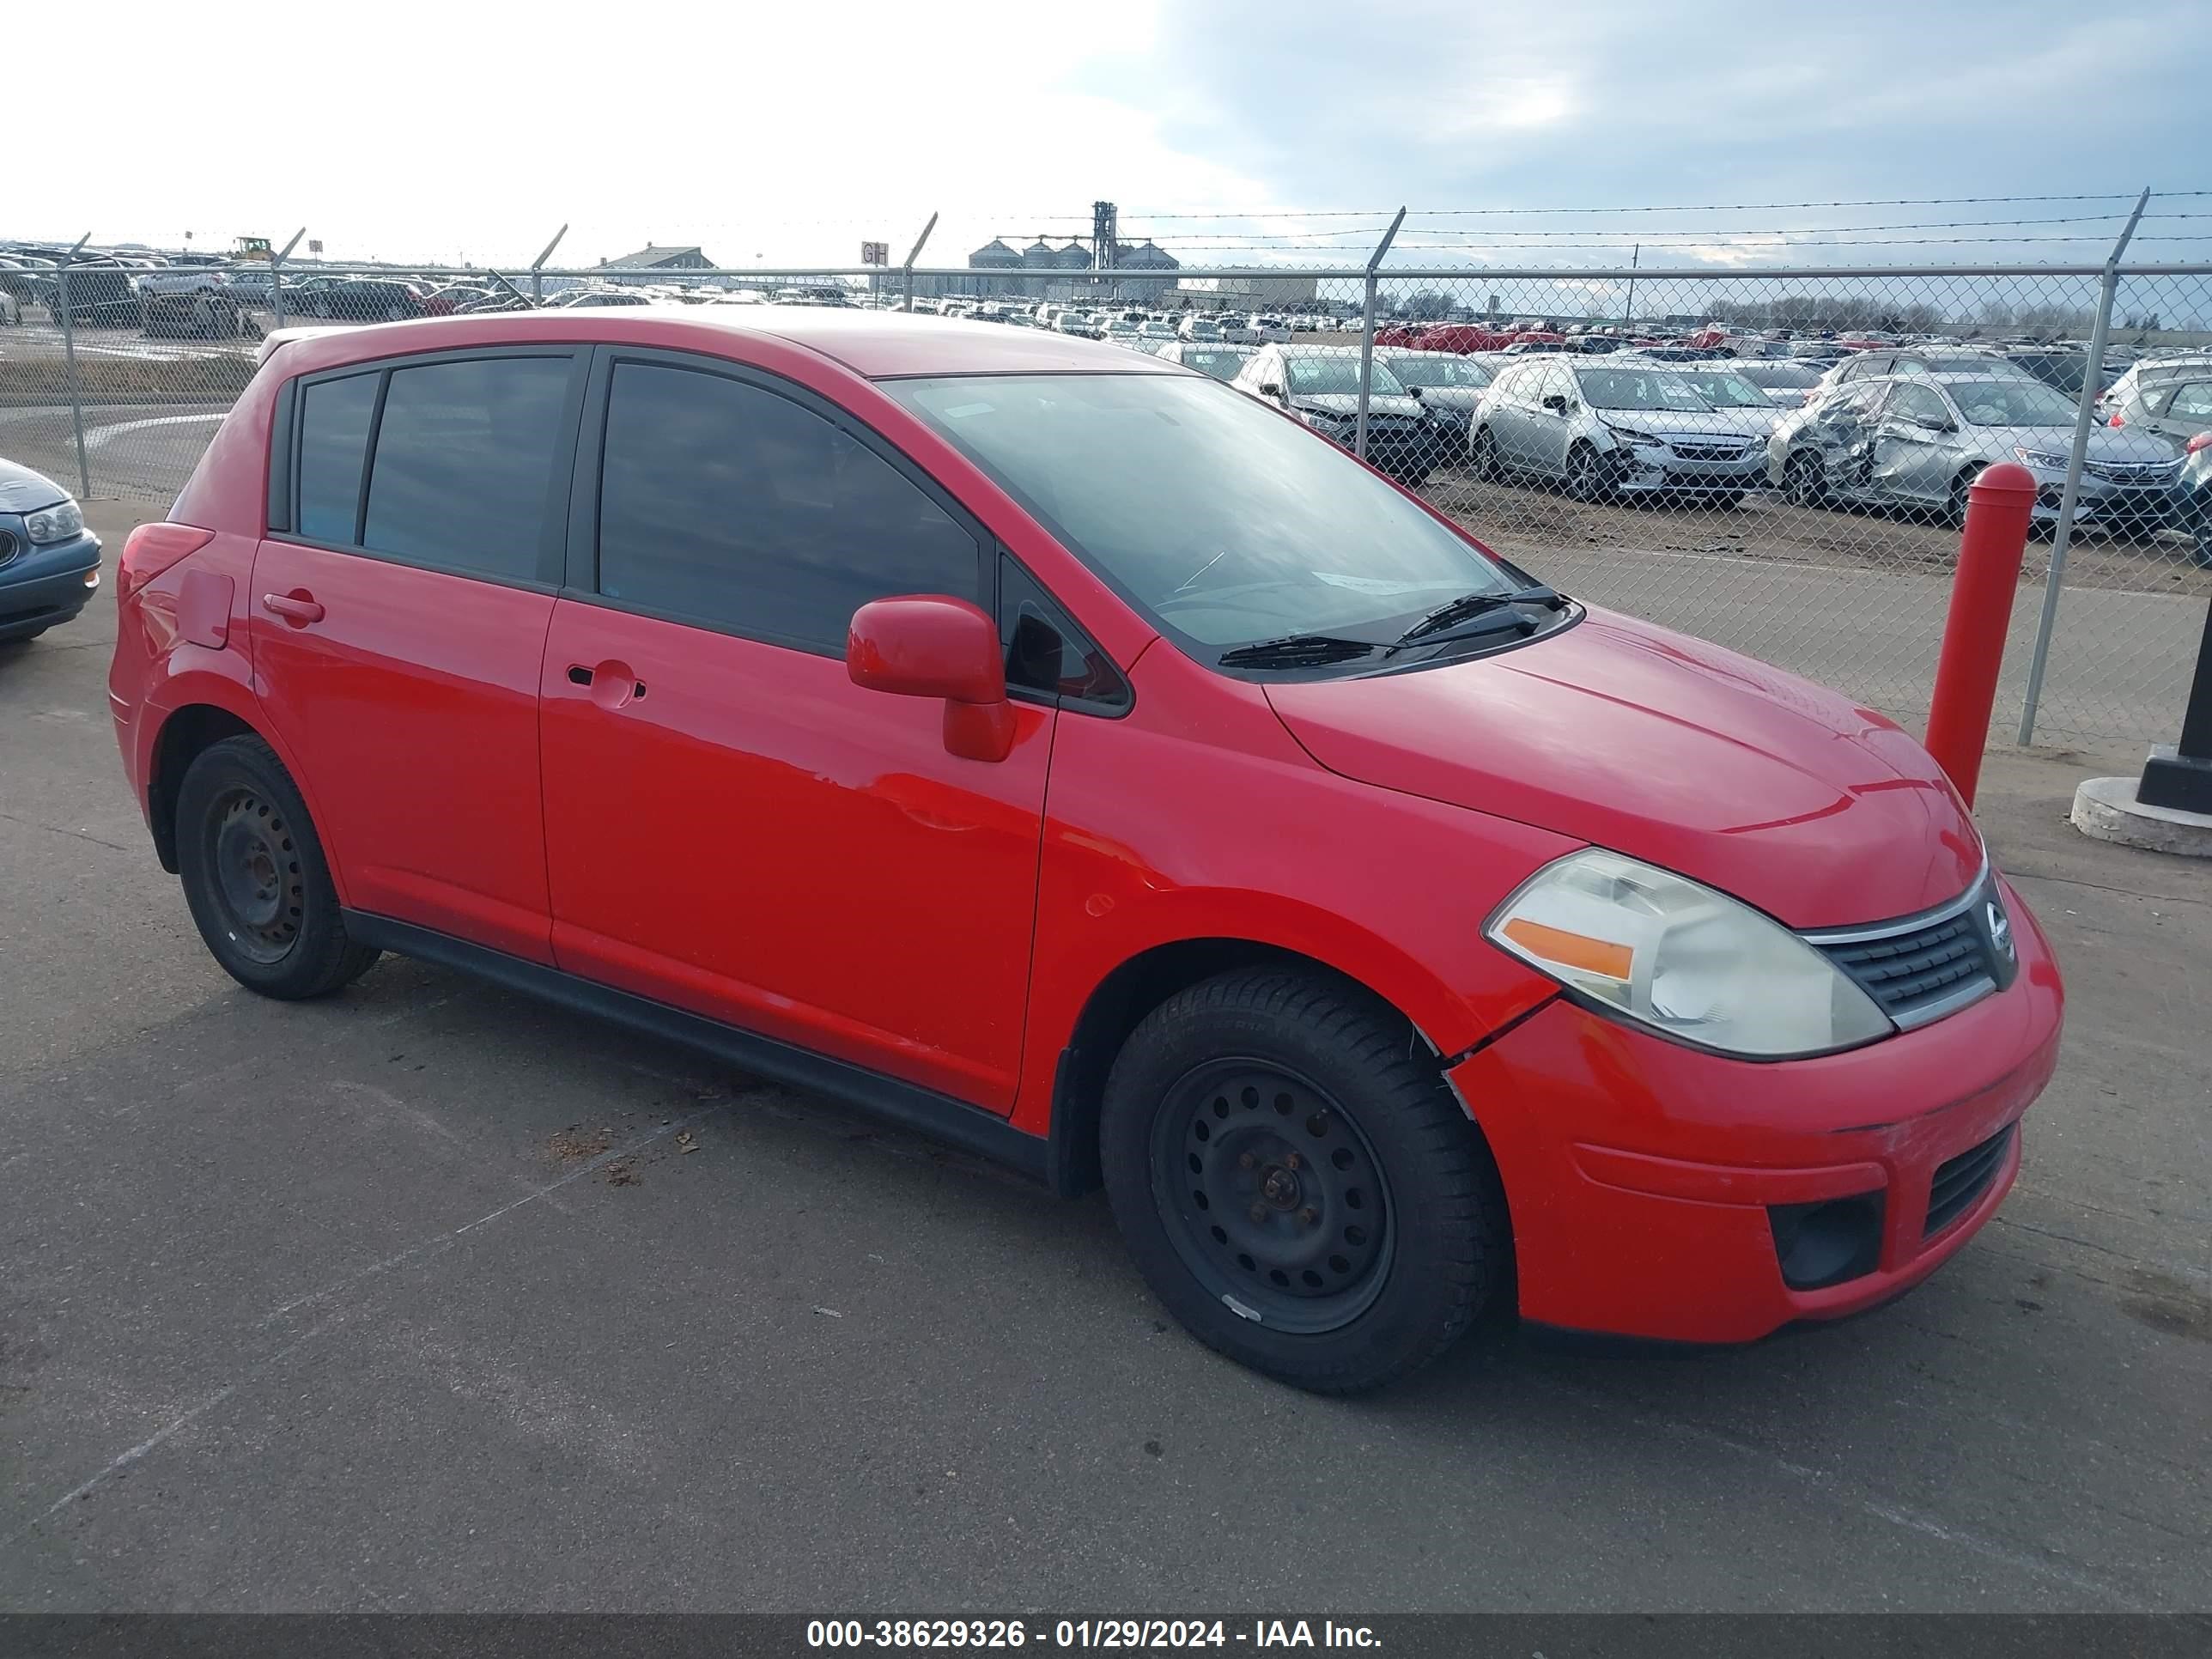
(1827, 1242)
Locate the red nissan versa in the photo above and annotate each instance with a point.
(1058, 752)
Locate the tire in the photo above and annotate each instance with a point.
(1585, 479)
(1482, 457)
(1801, 482)
(255, 877)
(1954, 510)
(1372, 1228)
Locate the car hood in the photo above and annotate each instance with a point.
(2106, 443)
(1457, 399)
(22, 490)
(1346, 403)
(1668, 748)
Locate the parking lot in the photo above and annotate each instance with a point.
(430, 1297)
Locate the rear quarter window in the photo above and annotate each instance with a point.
(334, 422)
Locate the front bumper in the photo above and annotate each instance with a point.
(1648, 1182)
(2102, 501)
(1649, 469)
(48, 583)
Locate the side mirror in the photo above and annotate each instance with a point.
(1271, 389)
(1556, 403)
(935, 645)
(1414, 391)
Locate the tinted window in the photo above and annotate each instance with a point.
(729, 504)
(1044, 651)
(464, 460)
(334, 418)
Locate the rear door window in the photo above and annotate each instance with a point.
(465, 463)
(724, 502)
(334, 421)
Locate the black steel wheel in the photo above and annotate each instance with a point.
(1295, 1181)
(1275, 1199)
(255, 878)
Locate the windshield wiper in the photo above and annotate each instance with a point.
(1298, 651)
(1468, 606)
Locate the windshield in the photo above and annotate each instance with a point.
(1439, 371)
(1639, 388)
(1221, 363)
(1337, 374)
(1725, 390)
(2018, 402)
(1223, 523)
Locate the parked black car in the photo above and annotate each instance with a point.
(99, 296)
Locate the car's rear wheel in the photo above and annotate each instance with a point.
(1954, 511)
(1482, 457)
(255, 877)
(1801, 482)
(1296, 1183)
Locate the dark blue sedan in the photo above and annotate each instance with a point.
(49, 561)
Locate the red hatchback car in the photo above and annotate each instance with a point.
(1055, 751)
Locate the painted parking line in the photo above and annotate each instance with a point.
(95, 436)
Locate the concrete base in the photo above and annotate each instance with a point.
(2107, 809)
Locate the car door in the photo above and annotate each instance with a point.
(733, 827)
(1506, 417)
(1552, 429)
(399, 607)
(1915, 445)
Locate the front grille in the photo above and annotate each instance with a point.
(2133, 471)
(1962, 1180)
(1695, 452)
(1921, 971)
(9, 547)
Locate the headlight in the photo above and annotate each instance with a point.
(1322, 420)
(55, 524)
(1680, 958)
(1629, 434)
(2042, 458)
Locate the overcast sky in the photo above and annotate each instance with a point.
(785, 134)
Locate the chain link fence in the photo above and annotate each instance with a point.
(1774, 460)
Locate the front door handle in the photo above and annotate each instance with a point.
(612, 684)
(298, 607)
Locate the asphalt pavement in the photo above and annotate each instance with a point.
(427, 1296)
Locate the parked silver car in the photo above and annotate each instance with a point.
(1451, 387)
(1320, 386)
(1920, 441)
(1602, 425)
(2177, 407)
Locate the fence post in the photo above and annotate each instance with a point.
(906, 270)
(276, 276)
(1367, 335)
(68, 353)
(538, 267)
(2091, 376)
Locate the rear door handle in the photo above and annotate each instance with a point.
(612, 684)
(299, 607)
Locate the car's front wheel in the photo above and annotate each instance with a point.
(1801, 482)
(1586, 478)
(255, 878)
(1483, 456)
(1295, 1181)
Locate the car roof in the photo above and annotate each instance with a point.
(878, 344)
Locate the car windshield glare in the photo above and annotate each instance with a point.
(2011, 403)
(1223, 523)
(1336, 374)
(1726, 391)
(1439, 371)
(1640, 388)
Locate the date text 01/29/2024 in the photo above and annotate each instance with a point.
(1124, 1633)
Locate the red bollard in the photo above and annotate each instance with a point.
(1999, 509)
